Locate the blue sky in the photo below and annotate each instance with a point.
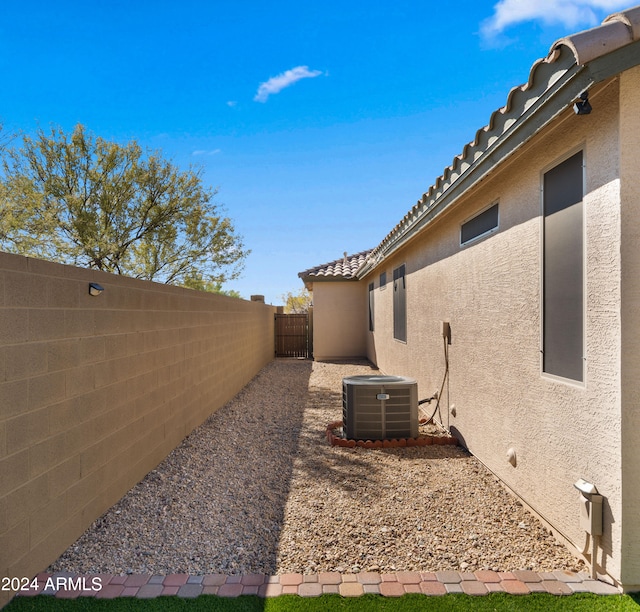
(321, 123)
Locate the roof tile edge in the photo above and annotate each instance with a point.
(616, 31)
(619, 29)
(344, 268)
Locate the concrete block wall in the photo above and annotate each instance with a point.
(96, 390)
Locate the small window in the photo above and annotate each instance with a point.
(383, 280)
(481, 224)
(371, 306)
(399, 304)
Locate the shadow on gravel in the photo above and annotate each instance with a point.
(216, 503)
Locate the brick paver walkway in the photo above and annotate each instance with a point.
(108, 586)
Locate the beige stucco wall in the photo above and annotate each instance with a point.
(339, 320)
(630, 315)
(490, 291)
(96, 391)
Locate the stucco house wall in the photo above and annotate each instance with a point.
(493, 292)
(630, 324)
(339, 320)
(497, 397)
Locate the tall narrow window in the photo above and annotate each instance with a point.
(563, 282)
(371, 306)
(399, 304)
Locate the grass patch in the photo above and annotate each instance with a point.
(536, 602)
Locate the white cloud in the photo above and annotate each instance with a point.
(231, 103)
(278, 83)
(569, 13)
(206, 152)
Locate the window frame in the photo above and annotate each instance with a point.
(372, 309)
(400, 302)
(580, 383)
(495, 204)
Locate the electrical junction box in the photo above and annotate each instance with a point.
(445, 330)
(590, 508)
(591, 514)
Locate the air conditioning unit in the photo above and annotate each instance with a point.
(379, 407)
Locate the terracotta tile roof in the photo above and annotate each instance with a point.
(616, 31)
(554, 82)
(563, 70)
(344, 268)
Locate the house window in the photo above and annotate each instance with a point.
(371, 306)
(563, 270)
(383, 280)
(480, 225)
(399, 304)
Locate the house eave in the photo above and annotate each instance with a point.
(554, 84)
(309, 281)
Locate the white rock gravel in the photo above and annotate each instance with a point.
(257, 489)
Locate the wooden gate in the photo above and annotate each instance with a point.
(293, 335)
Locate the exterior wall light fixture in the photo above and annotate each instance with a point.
(95, 289)
(582, 106)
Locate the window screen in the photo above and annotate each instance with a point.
(563, 299)
(481, 224)
(383, 280)
(371, 306)
(399, 304)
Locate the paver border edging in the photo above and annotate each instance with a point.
(481, 582)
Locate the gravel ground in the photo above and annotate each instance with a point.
(257, 489)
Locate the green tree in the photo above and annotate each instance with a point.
(297, 303)
(83, 200)
(197, 282)
(4, 138)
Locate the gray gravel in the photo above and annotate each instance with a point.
(257, 489)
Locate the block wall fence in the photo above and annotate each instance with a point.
(96, 390)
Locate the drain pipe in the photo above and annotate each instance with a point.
(590, 518)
